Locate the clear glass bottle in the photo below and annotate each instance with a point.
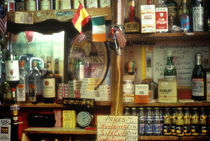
(198, 15)
(184, 17)
(141, 117)
(172, 14)
(198, 79)
(132, 23)
(170, 70)
(49, 93)
(21, 87)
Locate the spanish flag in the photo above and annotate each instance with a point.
(81, 17)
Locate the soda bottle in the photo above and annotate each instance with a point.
(127, 111)
(202, 122)
(156, 122)
(141, 121)
(186, 127)
(179, 122)
(173, 121)
(148, 121)
(194, 122)
(166, 122)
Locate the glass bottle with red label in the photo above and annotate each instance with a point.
(49, 93)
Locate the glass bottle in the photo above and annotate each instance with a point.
(166, 122)
(45, 4)
(127, 111)
(187, 117)
(148, 121)
(172, 14)
(10, 5)
(161, 17)
(133, 111)
(198, 15)
(156, 122)
(141, 117)
(132, 23)
(35, 82)
(49, 93)
(131, 64)
(198, 79)
(184, 17)
(202, 122)
(21, 87)
(179, 122)
(20, 5)
(194, 122)
(173, 121)
(170, 70)
(30, 5)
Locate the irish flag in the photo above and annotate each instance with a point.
(81, 17)
(98, 29)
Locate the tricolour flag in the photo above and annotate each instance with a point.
(81, 17)
(3, 25)
(98, 29)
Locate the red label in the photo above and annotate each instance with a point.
(161, 21)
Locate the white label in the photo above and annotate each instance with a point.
(198, 19)
(5, 127)
(49, 88)
(21, 97)
(65, 4)
(45, 5)
(142, 89)
(12, 70)
(91, 3)
(198, 87)
(30, 5)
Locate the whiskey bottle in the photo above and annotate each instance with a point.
(172, 14)
(132, 23)
(198, 15)
(49, 93)
(198, 79)
(184, 18)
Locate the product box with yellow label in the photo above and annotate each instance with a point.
(167, 91)
(141, 93)
(69, 119)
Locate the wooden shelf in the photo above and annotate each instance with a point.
(31, 17)
(58, 130)
(169, 138)
(191, 104)
(54, 105)
(192, 36)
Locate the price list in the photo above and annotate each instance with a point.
(117, 128)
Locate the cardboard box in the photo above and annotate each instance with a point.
(141, 93)
(167, 91)
(69, 119)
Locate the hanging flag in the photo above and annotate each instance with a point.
(81, 17)
(3, 25)
(98, 29)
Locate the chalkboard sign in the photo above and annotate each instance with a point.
(120, 128)
(183, 58)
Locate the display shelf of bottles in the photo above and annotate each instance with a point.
(31, 17)
(168, 138)
(58, 130)
(53, 105)
(168, 36)
(190, 104)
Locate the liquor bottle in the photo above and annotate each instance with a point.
(186, 127)
(198, 15)
(184, 17)
(179, 122)
(161, 13)
(148, 121)
(141, 117)
(21, 87)
(172, 14)
(166, 122)
(132, 23)
(198, 79)
(170, 70)
(131, 64)
(202, 122)
(20, 5)
(49, 83)
(35, 84)
(173, 121)
(194, 122)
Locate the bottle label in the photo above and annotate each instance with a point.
(65, 4)
(21, 93)
(12, 70)
(45, 5)
(30, 5)
(49, 88)
(161, 19)
(185, 23)
(148, 128)
(132, 27)
(141, 128)
(197, 87)
(198, 23)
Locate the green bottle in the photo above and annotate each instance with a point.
(170, 70)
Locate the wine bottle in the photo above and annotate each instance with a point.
(170, 70)
(198, 16)
(198, 79)
(49, 83)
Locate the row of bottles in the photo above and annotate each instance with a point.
(171, 121)
(165, 17)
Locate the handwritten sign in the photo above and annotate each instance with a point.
(117, 128)
(183, 58)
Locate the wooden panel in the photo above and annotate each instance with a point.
(164, 138)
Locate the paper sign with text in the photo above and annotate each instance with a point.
(120, 128)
